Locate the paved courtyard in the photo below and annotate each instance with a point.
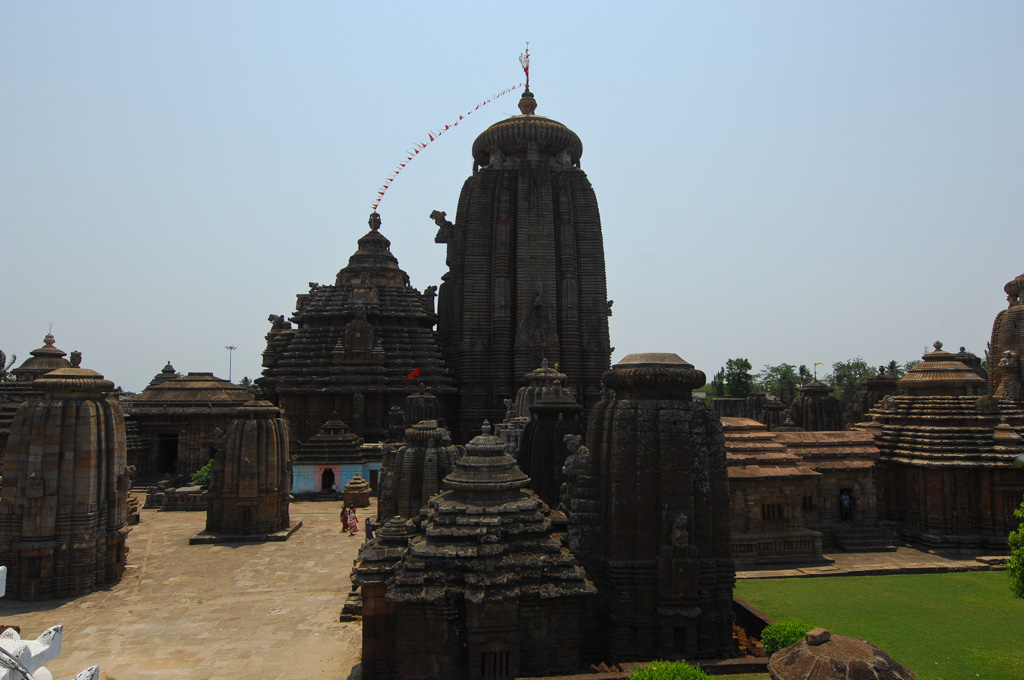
(212, 611)
(268, 610)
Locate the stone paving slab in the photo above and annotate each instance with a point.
(904, 560)
(213, 612)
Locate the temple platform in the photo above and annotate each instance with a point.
(208, 538)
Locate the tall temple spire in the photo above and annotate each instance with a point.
(526, 276)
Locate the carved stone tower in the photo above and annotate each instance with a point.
(354, 346)
(251, 480)
(660, 556)
(526, 276)
(65, 488)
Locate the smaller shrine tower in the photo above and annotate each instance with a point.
(660, 553)
(251, 479)
(62, 519)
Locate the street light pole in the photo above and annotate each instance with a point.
(230, 349)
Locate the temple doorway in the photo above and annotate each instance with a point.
(327, 479)
(166, 453)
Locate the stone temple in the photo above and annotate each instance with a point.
(945, 471)
(526, 276)
(355, 345)
(62, 520)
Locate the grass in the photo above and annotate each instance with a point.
(941, 626)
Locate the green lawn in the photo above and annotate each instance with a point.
(942, 626)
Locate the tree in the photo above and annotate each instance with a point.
(716, 387)
(848, 377)
(738, 381)
(1015, 565)
(780, 380)
(5, 367)
(246, 383)
(805, 374)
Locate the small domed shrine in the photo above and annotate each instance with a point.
(12, 394)
(526, 274)
(1006, 348)
(62, 520)
(322, 464)
(543, 450)
(467, 599)
(356, 344)
(816, 410)
(876, 388)
(539, 381)
(250, 483)
(945, 470)
(181, 420)
(419, 469)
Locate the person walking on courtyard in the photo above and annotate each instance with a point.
(344, 519)
(353, 522)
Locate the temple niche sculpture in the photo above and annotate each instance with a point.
(355, 345)
(659, 550)
(62, 519)
(1007, 346)
(250, 481)
(526, 275)
(461, 595)
(945, 471)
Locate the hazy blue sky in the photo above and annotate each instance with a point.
(782, 181)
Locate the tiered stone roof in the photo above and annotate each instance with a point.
(165, 374)
(947, 454)
(486, 538)
(825, 451)
(195, 393)
(755, 453)
(941, 373)
(364, 334)
(334, 444)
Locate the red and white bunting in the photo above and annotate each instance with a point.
(431, 137)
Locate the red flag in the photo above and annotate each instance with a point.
(414, 373)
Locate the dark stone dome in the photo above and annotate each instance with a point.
(513, 135)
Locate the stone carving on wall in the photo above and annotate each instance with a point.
(277, 323)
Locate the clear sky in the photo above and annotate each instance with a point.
(783, 181)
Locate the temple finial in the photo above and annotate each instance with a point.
(527, 103)
(524, 59)
(374, 221)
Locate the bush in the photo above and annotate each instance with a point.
(668, 670)
(201, 477)
(1015, 565)
(781, 635)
